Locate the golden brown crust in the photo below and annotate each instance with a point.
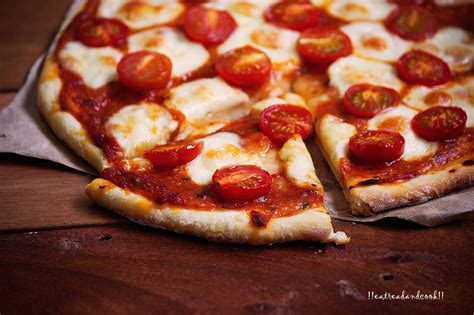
(221, 225)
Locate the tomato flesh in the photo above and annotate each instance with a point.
(244, 67)
(323, 45)
(366, 100)
(376, 147)
(419, 67)
(281, 122)
(101, 32)
(412, 22)
(144, 70)
(208, 26)
(241, 183)
(440, 123)
(174, 154)
(293, 15)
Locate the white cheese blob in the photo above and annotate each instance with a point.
(143, 13)
(96, 66)
(361, 10)
(371, 40)
(334, 135)
(355, 70)
(243, 11)
(185, 55)
(140, 127)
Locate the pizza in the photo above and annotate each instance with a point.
(196, 113)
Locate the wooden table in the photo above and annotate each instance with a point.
(59, 252)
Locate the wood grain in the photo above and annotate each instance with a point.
(130, 269)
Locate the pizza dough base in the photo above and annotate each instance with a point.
(219, 225)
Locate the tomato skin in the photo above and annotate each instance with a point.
(440, 123)
(251, 74)
(296, 16)
(144, 70)
(281, 122)
(420, 67)
(174, 154)
(101, 32)
(357, 104)
(207, 26)
(334, 45)
(376, 147)
(241, 183)
(422, 23)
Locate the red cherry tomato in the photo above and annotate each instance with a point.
(440, 123)
(366, 100)
(173, 154)
(101, 32)
(208, 26)
(376, 146)
(412, 22)
(144, 70)
(241, 183)
(323, 45)
(419, 67)
(244, 67)
(281, 122)
(293, 15)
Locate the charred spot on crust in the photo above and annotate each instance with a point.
(369, 181)
(259, 219)
(468, 163)
(452, 170)
(102, 186)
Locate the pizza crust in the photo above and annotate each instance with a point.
(220, 225)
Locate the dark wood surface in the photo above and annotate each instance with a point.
(61, 253)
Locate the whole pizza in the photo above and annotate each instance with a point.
(195, 113)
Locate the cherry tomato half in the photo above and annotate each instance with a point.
(173, 154)
(144, 70)
(208, 26)
(376, 146)
(241, 183)
(440, 123)
(281, 122)
(419, 67)
(293, 15)
(412, 22)
(244, 67)
(323, 45)
(366, 100)
(101, 32)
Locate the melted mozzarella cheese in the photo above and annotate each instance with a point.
(460, 94)
(453, 45)
(354, 70)
(185, 55)
(279, 44)
(223, 149)
(357, 10)
(96, 66)
(199, 99)
(334, 135)
(244, 11)
(138, 128)
(138, 14)
(298, 163)
(372, 40)
(286, 98)
(415, 147)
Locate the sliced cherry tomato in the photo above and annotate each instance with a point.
(208, 26)
(376, 146)
(144, 70)
(366, 100)
(101, 32)
(440, 123)
(173, 154)
(293, 15)
(412, 22)
(244, 67)
(281, 122)
(419, 67)
(241, 183)
(323, 45)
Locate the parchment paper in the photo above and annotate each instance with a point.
(23, 131)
